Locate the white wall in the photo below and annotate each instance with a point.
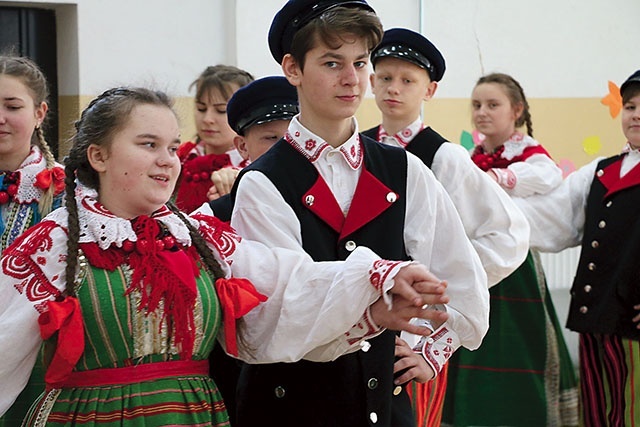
(556, 48)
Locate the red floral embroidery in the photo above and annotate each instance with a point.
(310, 144)
(220, 234)
(380, 272)
(17, 262)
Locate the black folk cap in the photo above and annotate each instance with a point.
(413, 47)
(633, 78)
(295, 14)
(261, 101)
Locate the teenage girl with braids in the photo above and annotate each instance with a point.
(522, 374)
(31, 182)
(213, 149)
(129, 294)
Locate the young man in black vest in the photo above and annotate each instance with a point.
(325, 189)
(407, 69)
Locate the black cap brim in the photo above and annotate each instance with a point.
(265, 115)
(403, 52)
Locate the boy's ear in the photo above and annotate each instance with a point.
(291, 70)
(97, 156)
(431, 90)
(372, 79)
(241, 146)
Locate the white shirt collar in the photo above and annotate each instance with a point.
(312, 146)
(405, 136)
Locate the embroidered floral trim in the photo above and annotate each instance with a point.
(312, 146)
(438, 347)
(21, 262)
(98, 225)
(220, 234)
(379, 272)
(366, 327)
(405, 136)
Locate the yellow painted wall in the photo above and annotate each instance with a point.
(560, 124)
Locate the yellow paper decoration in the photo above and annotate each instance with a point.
(591, 145)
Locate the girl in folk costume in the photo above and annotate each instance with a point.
(31, 182)
(598, 208)
(213, 148)
(129, 294)
(522, 374)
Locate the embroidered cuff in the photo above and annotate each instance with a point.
(438, 347)
(365, 328)
(381, 277)
(506, 178)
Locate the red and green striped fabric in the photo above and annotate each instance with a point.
(117, 335)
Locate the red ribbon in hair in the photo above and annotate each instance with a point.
(238, 297)
(65, 318)
(46, 176)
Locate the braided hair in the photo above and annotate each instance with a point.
(34, 80)
(105, 116)
(516, 96)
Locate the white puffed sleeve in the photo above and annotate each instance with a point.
(32, 274)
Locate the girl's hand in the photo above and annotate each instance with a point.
(412, 363)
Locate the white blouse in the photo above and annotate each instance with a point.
(311, 305)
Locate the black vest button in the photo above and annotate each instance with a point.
(602, 224)
(279, 391)
(587, 288)
(609, 203)
(595, 244)
(309, 200)
(350, 245)
(372, 383)
(584, 309)
(392, 197)
(591, 266)
(397, 390)
(373, 417)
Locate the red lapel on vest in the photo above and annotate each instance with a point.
(371, 198)
(320, 200)
(610, 178)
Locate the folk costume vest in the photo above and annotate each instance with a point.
(425, 145)
(356, 389)
(607, 282)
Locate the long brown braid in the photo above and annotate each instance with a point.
(33, 78)
(99, 122)
(515, 93)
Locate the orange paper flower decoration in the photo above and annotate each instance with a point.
(613, 100)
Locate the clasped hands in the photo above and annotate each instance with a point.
(415, 290)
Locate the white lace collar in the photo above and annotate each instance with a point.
(30, 167)
(516, 145)
(98, 225)
(312, 146)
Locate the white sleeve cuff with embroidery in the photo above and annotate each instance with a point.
(382, 276)
(506, 178)
(438, 347)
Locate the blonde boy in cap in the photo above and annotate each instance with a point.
(325, 189)
(407, 69)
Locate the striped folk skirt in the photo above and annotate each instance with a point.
(522, 374)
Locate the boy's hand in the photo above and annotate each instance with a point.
(401, 313)
(412, 363)
(419, 286)
(223, 180)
